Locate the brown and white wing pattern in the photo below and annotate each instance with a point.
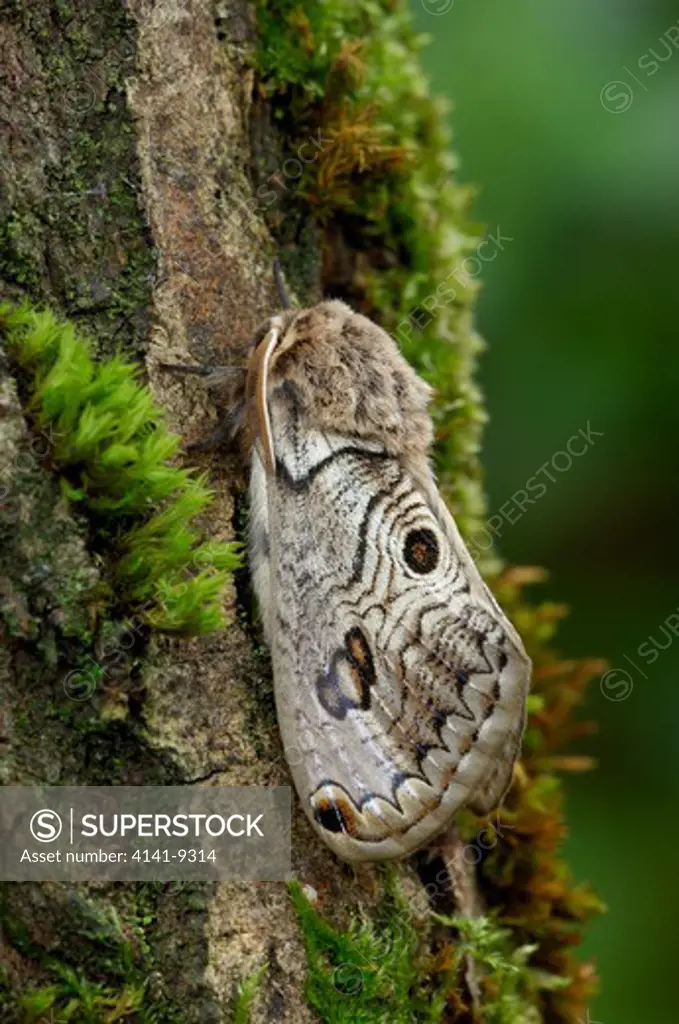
(400, 685)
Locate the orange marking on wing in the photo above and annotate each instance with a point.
(338, 806)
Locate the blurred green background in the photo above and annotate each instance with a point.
(580, 312)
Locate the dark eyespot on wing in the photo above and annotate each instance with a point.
(421, 550)
(345, 686)
(362, 664)
(334, 813)
(329, 818)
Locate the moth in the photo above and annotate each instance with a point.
(400, 685)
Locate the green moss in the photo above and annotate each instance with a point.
(510, 984)
(76, 999)
(375, 971)
(111, 445)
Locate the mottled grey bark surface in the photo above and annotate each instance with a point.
(130, 141)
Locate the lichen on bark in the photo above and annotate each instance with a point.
(150, 171)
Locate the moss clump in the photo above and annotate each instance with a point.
(345, 79)
(509, 983)
(376, 971)
(111, 445)
(76, 999)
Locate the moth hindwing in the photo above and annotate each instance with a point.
(400, 685)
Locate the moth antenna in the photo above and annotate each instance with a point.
(213, 376)
(282, 293)
(261, 370)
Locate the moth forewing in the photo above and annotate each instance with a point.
(400, 685)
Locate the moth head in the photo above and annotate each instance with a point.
(348, 377)
(272, 340)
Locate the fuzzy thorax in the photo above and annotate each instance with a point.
(348, 377)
